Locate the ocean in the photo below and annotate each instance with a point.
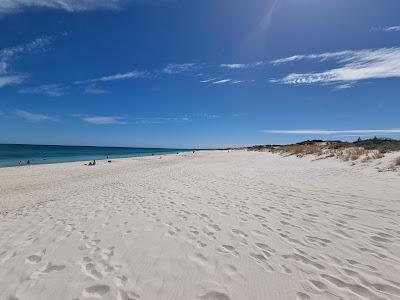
(14, 155)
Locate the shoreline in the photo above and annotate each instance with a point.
(224, 225)
(97, 159)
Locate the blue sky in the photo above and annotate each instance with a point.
(210, 73)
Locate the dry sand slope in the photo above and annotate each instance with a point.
(208, 226)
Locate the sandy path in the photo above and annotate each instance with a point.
(209, 226)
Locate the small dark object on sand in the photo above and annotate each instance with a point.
(109, 161)
(92, 163)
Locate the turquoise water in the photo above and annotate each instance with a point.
(14, 155)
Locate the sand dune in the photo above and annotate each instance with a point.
(209, 226)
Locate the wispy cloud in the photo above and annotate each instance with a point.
(93, 90)
(8, 54)
(209, 80)
(122, 120)
(177, 68)
(344, 86)
(54, 90)
(319, 57)
(392, 28)
(334, 132)
(11, 80)
(115, 77)
(241, 66)
(222, 81)
(32, 117)
(173, 118)
(103, 120)
(353, 66)
(14, 6)
(158, 120)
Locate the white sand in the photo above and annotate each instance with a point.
(209, 226)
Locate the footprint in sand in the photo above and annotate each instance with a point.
(120, 280)
(261, 260)
(127, 295)
(35, 258)
(90, 270)
(95, 291)
(227, 249)
(49, 268)
(302, 296)
(8, 256)
(214, 295)
(198, 258)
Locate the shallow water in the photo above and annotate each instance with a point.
(13, 155)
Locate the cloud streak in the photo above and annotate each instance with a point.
(115, 77)
(10, 80)
(103, 120)
(53, 90)
(14, 6)
(392, 28)
(353, 66)
(8, 54)
(177, 68)
(32, 117)
(241, 66)
(93, 90)
(124, 120)
(334, 132)
(222, 81)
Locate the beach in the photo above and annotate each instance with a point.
(210, 225)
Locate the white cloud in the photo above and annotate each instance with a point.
(353, 66)
(209, 80)
(335, 132)
(236, 81)
(10, 80)
(114, 77)
(344, 86)
(241, 66)
(31, 117)
(392, 28)
(103, 120)
(222, 81)
(233, 66)
(173, 118)
(54, 90)
(320, 57)
(109, 120)
(177, 68)
(93, 90)
(13, 6)
(8, 54)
